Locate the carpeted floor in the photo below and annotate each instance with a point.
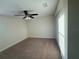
(33, 49)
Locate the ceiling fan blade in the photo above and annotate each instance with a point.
(25, 12)
(24, 17)
(33, 14)
(31, 17)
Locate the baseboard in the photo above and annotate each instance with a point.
(12, 44)
(40, 38)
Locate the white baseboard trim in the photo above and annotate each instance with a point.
(42, 38)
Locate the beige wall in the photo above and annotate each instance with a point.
(12, 31)
(43, 27)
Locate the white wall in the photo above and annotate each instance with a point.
(12, 31)
(43, 27)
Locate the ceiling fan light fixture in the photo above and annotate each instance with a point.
(27, 18)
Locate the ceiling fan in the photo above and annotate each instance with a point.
(27, 15)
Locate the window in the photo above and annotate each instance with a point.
(61, 33)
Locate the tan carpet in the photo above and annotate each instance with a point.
(33, 49)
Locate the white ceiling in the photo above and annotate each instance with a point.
(42, 7)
